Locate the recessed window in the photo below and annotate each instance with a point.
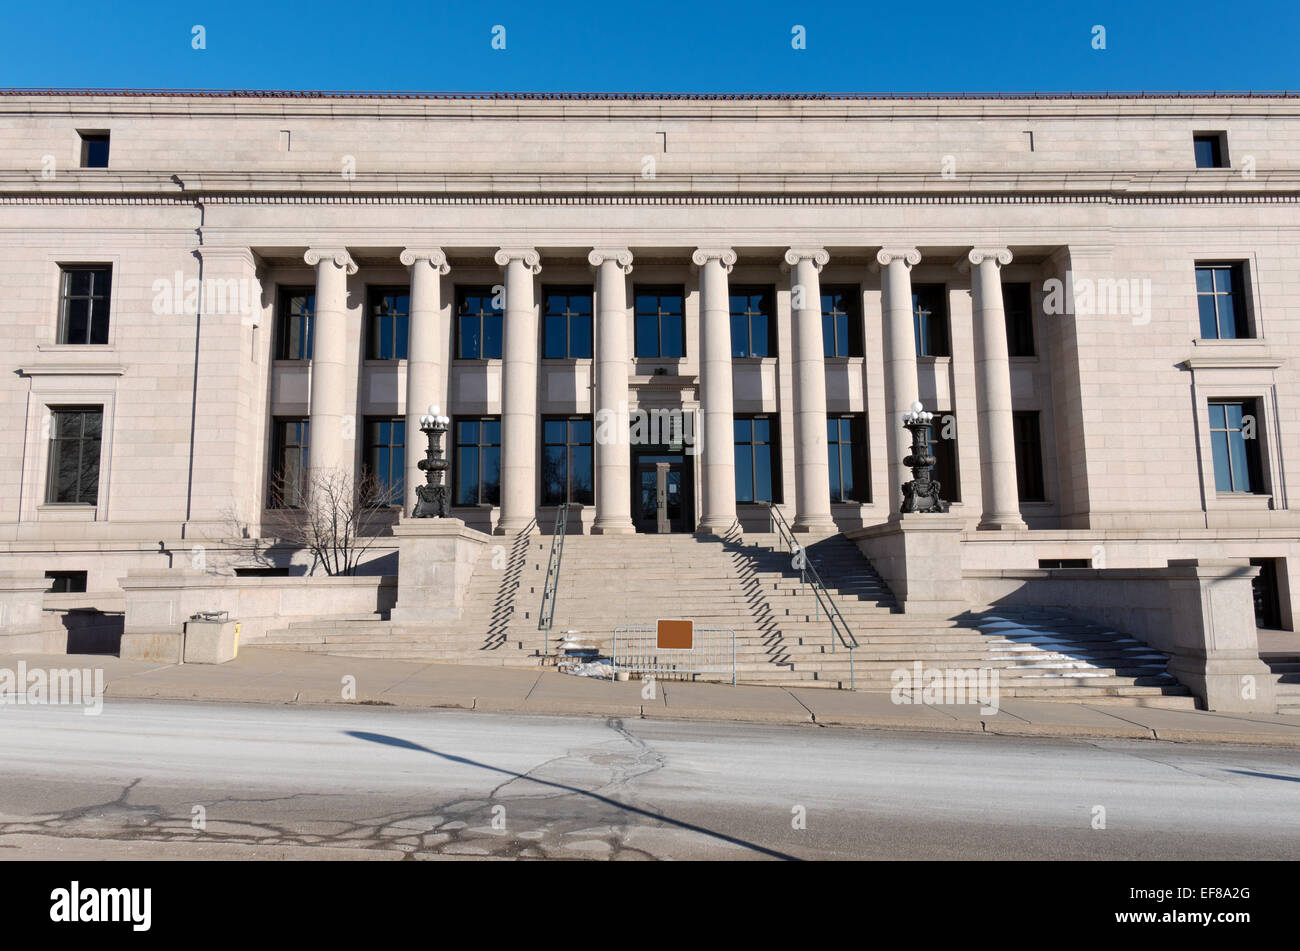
(75, 436)
(1064, 563)
(1018, 307)
(659, 322)
(1221, 301)
(1234, 441)
(94, 149)
(1211, 149)
(1029, 456)
(753, 329)
(567, 461)
(479, 323)
(943, 446)
(84, 298)
(295, 317)
(758, 477)
(66, 582)
(388, 317)
(289, 463)
(477, 461)
(566, 322)
(846, 450)
(385, 458)
(930, 320)
(842, 321)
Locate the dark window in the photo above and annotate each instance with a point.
(1264, 588)
(83, 304)
(943, 446)
(478, 324)
(386, 457)
(930, 319)
(846, 447)
(659, 322)
(295, 319)
(1029, 456)
(1064, 563)
(566, 461)
(1234, 440)
(1017, 302)
(94, 149)
(75, 436)
(388, 316)
(66, 582)
(566, 322)
(1209, 148)
(289, 464)
(758, 465)
(477, 461)
(842, 321)
(753, 328)
(1220, 299)
(263, 571)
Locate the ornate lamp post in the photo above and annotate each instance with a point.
(434, 499)
(922, 493)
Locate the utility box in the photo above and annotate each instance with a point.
(211, 638)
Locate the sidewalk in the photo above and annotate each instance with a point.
(262, 675)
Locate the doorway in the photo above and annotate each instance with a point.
(1268, 604)
(680, 486)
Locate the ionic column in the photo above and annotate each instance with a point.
(613, 454)
(811, 475)
(329, 365)
(719, 452)
(426, 372)
(900, 360)
(1001, 496)
(519, 392)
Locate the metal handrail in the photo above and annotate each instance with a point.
(546, 617)
(824, 602)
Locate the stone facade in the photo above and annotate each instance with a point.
(253, 193)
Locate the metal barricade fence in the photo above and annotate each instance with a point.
(636, 650)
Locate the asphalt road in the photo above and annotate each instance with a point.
(270, 782)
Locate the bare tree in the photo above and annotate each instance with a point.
(332, 515)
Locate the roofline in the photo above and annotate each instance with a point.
(15, 91)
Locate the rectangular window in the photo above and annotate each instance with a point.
(758, 460)
(388, 317)
(566, 323)
(75, 436)
(1018, 305)
(659, 322)
(567, 461)
(842, 320)
(930, 319)
(295, 317)
(1210, 149)
(846, 447)
(94, 149)
(289, 463)
(385, 458)
(1029, 456)
(479, 317)
(1220, 300)
(83, 304)
(477, 461)
(1234, 426)
(943, 446)
(753, 326)
(66, 582)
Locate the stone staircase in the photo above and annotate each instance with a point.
(752, 587)
(1286, 668)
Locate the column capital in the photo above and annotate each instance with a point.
(339, 256)
(909, 256)
(529, 256)
(435, 256)
(724, 256)
(977, 256)
(818, 256)
(620, 256)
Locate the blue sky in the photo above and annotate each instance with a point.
(1001, 46)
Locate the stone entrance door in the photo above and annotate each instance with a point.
(678, 492)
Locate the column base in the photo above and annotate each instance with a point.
(821, 524)
(1002, 523)
(614, 526)
(719, 526)
(515, 526)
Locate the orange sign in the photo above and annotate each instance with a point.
(676, 634)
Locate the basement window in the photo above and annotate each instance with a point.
(1064, 563)
(263, 572)
(66, 582)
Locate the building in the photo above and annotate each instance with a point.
(1099, 297)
